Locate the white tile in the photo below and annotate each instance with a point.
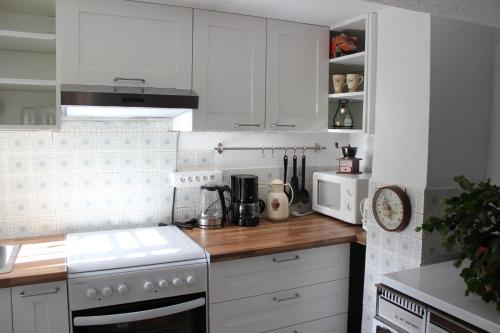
(204, 160)
(45, 226)
(107, 142)
(88, 222)
(5, 229)
(22, 228)
(130, 219)
(149, 218)
(41, 163)
(129, 161)
(148, 141)
(87, 162)
(130, 200)
(186, 160)
(147, 179)
(167, 161)
(66, 224)
(41, 142)
(165, 179)
(17, 142)
(109, 161)
(67, 203)
(63, 162)
(111, 201)
(84, 126)
(127, 126)
(43, 205)
(167, 141)
(63, 141)
(110, 220)
(128, 141)
(90, 202)
(18, 164)
(128, 181)
(88, 182)
(148, 200)
(18, 185)
(148, 161)
(86, 141)
(110, 181)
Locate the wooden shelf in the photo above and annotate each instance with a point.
(358, 95)
(356, 59)
(27, 84)
(27, 41)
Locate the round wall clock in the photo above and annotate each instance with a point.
(391, 208)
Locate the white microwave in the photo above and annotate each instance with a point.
(339, 195)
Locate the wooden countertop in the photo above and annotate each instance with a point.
(43, 259)
(40, 259)
(315, 230)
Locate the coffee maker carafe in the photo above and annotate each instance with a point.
(213, 208)
(246, 203)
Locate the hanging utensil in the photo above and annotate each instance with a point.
(304, 194)
(285, 170)
(295, 180)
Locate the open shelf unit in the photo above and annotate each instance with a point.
(361, 62)
(28, 65)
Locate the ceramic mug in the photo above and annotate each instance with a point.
(338, 81)
(354, 81)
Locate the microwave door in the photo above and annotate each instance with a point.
(329, 195)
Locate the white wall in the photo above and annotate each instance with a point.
(402, 104)
(461, 95)
(477, 11)
(494, 148)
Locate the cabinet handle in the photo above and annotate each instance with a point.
(282, 125)
(289, 298)
(295, 257)
(116, 79)
(39, 293)
(246, 125)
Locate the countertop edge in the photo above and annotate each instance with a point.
(440, 304)
(277, 249)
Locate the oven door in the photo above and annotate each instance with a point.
(186, 314)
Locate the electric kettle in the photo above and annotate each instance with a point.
(213, 208)
(277, 203)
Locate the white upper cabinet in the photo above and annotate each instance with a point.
(101, 42)
(297, 76)
(229, 71)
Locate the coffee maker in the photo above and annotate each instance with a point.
(246, 203)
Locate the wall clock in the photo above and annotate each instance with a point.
(391, 208)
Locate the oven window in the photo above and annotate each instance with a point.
(329, 194)
(191, 321)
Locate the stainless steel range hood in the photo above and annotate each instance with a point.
(89, 101)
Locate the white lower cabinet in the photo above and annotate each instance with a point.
(5, 311)
(40, 308)
(333, 324)
(305, 290)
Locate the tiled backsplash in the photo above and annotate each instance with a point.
(88, 176)
(107, 175)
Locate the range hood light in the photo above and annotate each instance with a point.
(120, 112)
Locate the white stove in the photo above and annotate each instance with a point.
(136, 280)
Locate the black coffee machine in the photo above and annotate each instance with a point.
(246, 204)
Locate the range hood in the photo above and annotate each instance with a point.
(93, 101)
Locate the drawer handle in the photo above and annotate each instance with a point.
(116, 79)
(282, 125)
(246, 125)
(289, 298)
(296, 257)
(39, 293)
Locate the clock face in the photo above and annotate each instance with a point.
(391, 208)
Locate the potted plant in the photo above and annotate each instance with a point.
(471, 223)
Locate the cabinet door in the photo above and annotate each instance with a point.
(276, 310)
(297, 76)
(229, 71)
(40, 308)
(99, 41)
(334, 324)
(5, 311)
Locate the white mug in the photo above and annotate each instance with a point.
(354, 81)
(338, 81)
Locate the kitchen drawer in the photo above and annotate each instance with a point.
(276, 310)
(236, 279)
(334, 324)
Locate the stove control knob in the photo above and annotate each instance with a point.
(163, 284)
(191, 280)
(91, 293)
(148, 285)
(177, 282)
(107, 291)
(122, 289)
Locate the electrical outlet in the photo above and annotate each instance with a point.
(188, 179)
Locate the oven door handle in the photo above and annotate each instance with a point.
(139, 315)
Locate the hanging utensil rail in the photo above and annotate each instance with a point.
(317, 148)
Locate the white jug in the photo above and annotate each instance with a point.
(277, 202)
